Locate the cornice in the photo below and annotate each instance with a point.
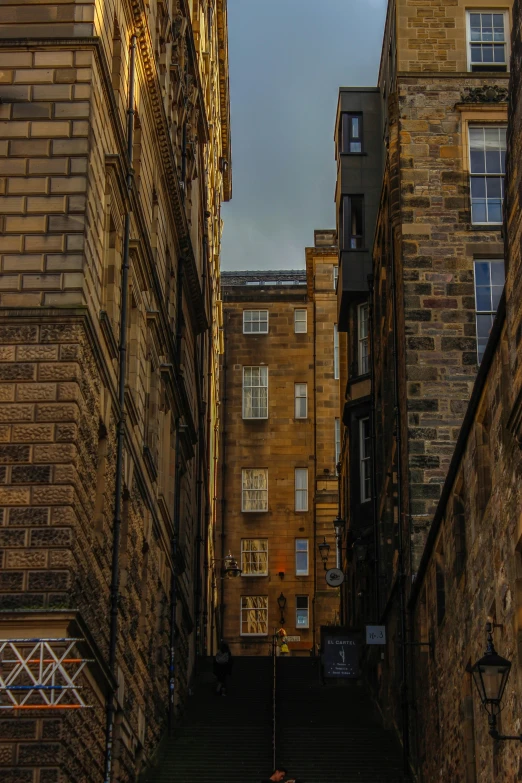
(224, 95)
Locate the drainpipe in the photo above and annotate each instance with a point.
(401, 571)
(376, 544)
(116, 530)
(314, 637)
(223, 475)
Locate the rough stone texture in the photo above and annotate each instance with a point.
(63, 202)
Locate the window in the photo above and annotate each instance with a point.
(301, 611)
(255, 392)
(300, 321)
(301, 400)
(487, 166)
(440, 584)
(351, 133)
(365, 459)
(487, 40)
(336, 352)
(352, 224)
(255, 489)
(489, 284)
(335, 277)
(301, 557)
(362, 332)
(337, 440)
(254, 615)
(301, 489)
(255, 321)
(254, 556)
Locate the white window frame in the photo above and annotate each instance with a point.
(245, 609)
(337, 436)
(491, 313)
(300, 321)
(255, 386)
(335, 276)
(502, 177)
(245, 489)
(301, 493)
(507, 37)
(336, 353)
(246, 550)
(363, 342)
(259, 322)
(302, 571)
(365, 460)
(298, 396)
(302, 609)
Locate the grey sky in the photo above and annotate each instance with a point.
(287, 60)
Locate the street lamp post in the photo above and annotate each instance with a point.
(490, 675)
(281, 602)
(339, 525)
(324, 551)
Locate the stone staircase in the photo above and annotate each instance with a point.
(331, 733)
(325, 733)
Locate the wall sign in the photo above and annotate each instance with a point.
(375, 634)
(334, 577)
(341, 656)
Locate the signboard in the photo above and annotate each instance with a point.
(341, 656)
(375, 634)
(334, 577)
(293, 638)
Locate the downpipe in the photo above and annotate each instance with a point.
(120, 444)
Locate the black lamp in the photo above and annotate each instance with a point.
(231, 567)
(490, 675)
(324, 550)
(339, 525)
(281, 602)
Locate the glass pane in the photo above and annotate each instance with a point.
(475, 33)
(483, 297)
(494, 187)
(476, 53)
(482, 273)
(500, 56)
(478, 212)
(487, 33)
(301, 562)
(302, 618)
(496, 293)
(487, 54)
(355, 146)
(474, 20)
(494, 212)
(497, 273)
(301, 545)
(477, 161)
(493, 163)
(355, 127)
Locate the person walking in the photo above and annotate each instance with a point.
(277, 776)
(222, 667)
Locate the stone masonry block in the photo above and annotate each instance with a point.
(73, 109)
(52, 92)
(48, 166)
(39, 353)
(16, 59)
(43, 243)
(31, 474)
(12, 166)
(29, 148)
(28, 517)
(31, 111)
(33, 433)
(13, 130)
(33, 392)
(53, 453)
(24, 225)
(51, 129)
(9, 282)
(48, 580)
(27, 185)
(66, 223)
(14, 496)
(33, 75)
(10, 452)
(45, 204)
(41, 282)
(13, 93)
(26, 558)
(68, 184)
(70, 147)
(52, 496)
(16, 413)
(12, 538)
(11, 581)
(53, 59)
(17, 371)
(23, 263)
(11, 205)
(62, 263)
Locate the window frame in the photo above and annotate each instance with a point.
(349, 116)
(301, 321)
(365, 461)
(246, 609)
(259, 322)
(298, 397)
(475, 175)
(337, 440)
(251, 367)
(345, 219)
(302, 609)
(246, 489)
(300, 490)
(363, 342)
(336, 353)
(301, 572)
(335, 273)
(253, 551)
(478, 313)
(507, 40)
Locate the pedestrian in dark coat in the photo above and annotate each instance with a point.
(222, 667)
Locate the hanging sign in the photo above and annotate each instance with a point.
(375, 634)
(341, 656)
(334, 577)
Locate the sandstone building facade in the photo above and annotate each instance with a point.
(438, 273)
(471, 567)
(114, 160)
(279, 489)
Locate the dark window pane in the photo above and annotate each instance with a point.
(475, 20)
(498, 21)
(475, 33)
(355, 146)
(494, 187)
(477, 161)
(355, 127)
(494, 212)
(493, 165)
(482, 272)
(478, 212)
(496, 294)
(499, 54)
(478, 187)
(483, 297)
(487, 33)
(503, 161)
(487, 54)
(497, 273)
(476, 54)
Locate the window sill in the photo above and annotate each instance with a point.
(353, 154)
(254, 576)
(486, 226)
(255, 511)
(255, 418)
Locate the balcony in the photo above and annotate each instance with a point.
(354, 268)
